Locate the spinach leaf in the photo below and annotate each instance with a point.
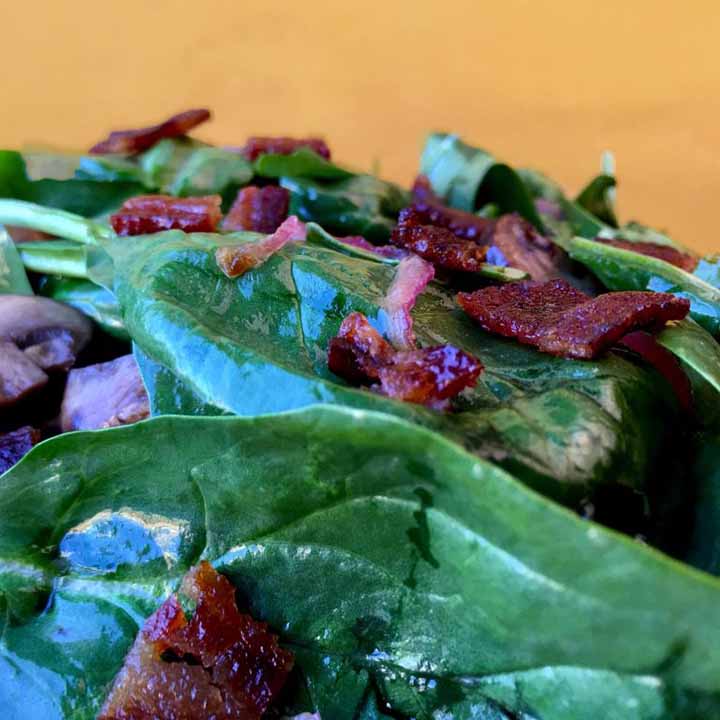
(13, 279)
(360, 205)
(88, 198)
(94, 301)
(695, 347)
(562, 425)
(626, 270)
(595, 198)
(403, 572)
(467, 178)
(304, 162)
(708, 269)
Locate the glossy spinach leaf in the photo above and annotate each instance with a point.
(94, 301)
(695, 347)
(304, 163)
(403, 572)
(13, 279)
(360, 205)
(467, 178)
(626, 270)
(596, 196)
(708, 269)
(258, 344)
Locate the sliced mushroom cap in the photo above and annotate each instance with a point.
(36, 335)
(104, 395)
(15, 444)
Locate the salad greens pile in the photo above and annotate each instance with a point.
(545, 552)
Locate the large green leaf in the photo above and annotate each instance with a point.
(13, 279)
(595, 197)
(620, 269)
(467, 177)
(258, 344)
(304, 162)
(403, 572)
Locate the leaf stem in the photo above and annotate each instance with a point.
(53, 221)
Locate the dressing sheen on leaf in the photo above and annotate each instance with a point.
(400, 570)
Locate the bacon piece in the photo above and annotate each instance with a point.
(387, 251)
(226, 664)
(14, 445)
(135, 141)
(258, 209)
(146, 214)
(437, 245)
(411, 277)
(429, 210)
(236, 260)
(517, 243)
(560, 320)
(430, 376)
(669, 254)
(650, 350)
(256, 146)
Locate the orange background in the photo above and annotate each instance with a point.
(547, 84)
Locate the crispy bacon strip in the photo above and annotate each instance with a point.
(430, 376)
(146, 214)
(411, 277)
(14, 445)
(256, 146)
(135, 141)
(260, 209)
(437, 245)
(560, 320)
(225, 664)
(387, 251)
(236, 260)
(430, 210)
(684, 261)
(517, 243)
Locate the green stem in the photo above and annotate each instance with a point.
(55, 257)
(53, 221)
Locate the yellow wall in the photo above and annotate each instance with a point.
(546, 83)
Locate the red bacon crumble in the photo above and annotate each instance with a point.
(517, 243)
(429, 210)
(258, 209)
(437, 245)
(14, 445)
(135, 141)
(226, 665)
(560, 320)
(256, 146)
(148, 214)
(236, 260)
(429, 376)
(683, 260)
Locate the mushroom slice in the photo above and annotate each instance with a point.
(53, 354)
(104, 395)
(19, 375)
(15, 444)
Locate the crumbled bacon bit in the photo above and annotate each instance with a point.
(134, 141)
(429, 210)
(14, 445)
(387, 251)
(236, 260)
(437, 245)
(517, 243)
(226, 665)
(256, 146)
(411, 277)
(260, 209)
(650, 350)
(430, 376)
(683, 260)
(560, 320)
(148, 214)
